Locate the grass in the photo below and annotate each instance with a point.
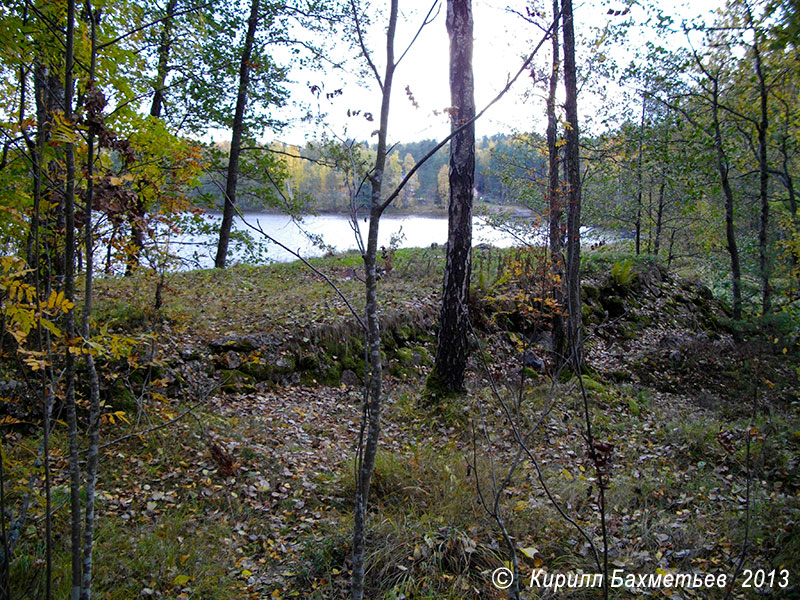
(265, 299)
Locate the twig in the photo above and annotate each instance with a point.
(746, 542)
(297, 255)
(148, 430)
(522, 442)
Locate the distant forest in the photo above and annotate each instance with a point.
(310, 179)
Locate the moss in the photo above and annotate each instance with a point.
(436, 393)
(590, 292)
(122, 398)
(591, 385)
(353, 363)
(405, 356)
(234, 380)
(269, 368)
(620, 375)
(423, 355)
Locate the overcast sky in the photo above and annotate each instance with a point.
(501, 40)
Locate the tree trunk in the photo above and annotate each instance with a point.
(236, 139)
(92, 460)
(639, 181)
(453, 343)
(69, 294)
(555, 206)
(163, 58)
(763, 174)
(48, 90)
(785, 163)
(730, 232)
(368, 450)
(137, 219)
(659, 215)
(572, 168)
(137, 222)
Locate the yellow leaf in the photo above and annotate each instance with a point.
(246, 573)
(530, 552)
(180, 580)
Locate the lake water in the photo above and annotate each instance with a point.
(337, 233)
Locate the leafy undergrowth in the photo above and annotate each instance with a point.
(249, 494)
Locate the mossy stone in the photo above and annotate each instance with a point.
(234, 380)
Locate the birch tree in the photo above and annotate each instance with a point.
(452, 349)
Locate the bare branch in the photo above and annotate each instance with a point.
(466, 124)
(257, 227)
(363, 45)
(427, 21)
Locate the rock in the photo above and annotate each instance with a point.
(269, 367)
(191, 353)
(544, 340)
(671, 341)
(232, 360)
(242, 343)
(530, 360)
(614, 305)
(421, 356)
(9, 386)
(349, 378)
(236, 381)
(590, 291)
(676, 357)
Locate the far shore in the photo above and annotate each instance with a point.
(479, 209)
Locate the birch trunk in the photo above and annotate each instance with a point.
(452, 347)
(373, 401)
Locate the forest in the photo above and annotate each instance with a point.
(608, 418)
(315, 186)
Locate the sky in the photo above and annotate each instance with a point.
(502, 39)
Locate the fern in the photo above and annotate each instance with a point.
(622, 273)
